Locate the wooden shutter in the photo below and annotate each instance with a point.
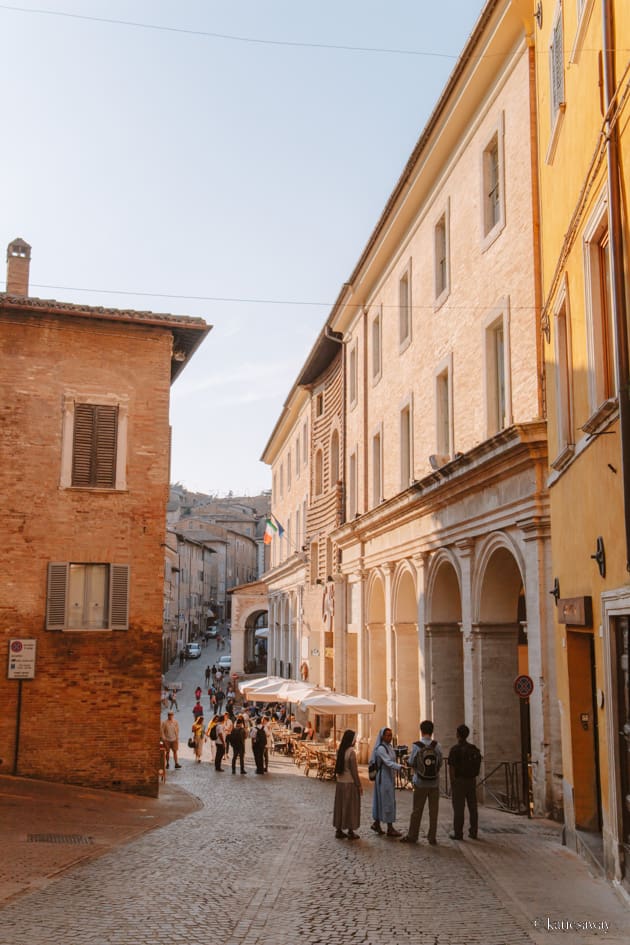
(94, 445)
(56, 596)
(557, 66)
(119, 597)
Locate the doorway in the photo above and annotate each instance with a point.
(584, 732)
(621, 631)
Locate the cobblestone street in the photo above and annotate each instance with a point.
(258, 864)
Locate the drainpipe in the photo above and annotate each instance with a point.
(617, 279)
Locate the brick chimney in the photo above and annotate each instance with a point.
(18, 264)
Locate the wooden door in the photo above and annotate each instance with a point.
(583, 715)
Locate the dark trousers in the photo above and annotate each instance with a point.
(464, 791)
(219, 755)
(259, 758)
(238, 751)
(421, 795)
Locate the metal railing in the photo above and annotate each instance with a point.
(505, 787)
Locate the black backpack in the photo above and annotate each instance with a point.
(212, 734)
(469, 763)
(427, 760)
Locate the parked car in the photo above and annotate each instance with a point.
(193, 651)
(211, 633)
(224, 662)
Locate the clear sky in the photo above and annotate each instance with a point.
(237, 179)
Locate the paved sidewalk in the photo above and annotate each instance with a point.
(253, 861)
(47, 828)
(270, 842)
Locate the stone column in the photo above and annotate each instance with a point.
(472, 682)
(390, 651)
(421, 563)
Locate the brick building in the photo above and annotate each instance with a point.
(84, 479)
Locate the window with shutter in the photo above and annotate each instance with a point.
(94, 445)
(556, 61)
(87, 596)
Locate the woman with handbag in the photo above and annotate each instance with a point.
(198, 736)
(384, 798)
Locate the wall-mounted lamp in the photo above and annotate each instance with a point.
(538, 15)
(600, 556)
(555, 592)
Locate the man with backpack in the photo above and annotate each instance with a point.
(426, 761)
(464, 762)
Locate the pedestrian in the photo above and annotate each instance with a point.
(207, 676)
(237, 741)
(169, 733)
(228, 725)
(220, 697)
(212, 696)
(426, 761)
(464, 762)
(384, 796)
(181, 658)
(197, 709)
(219, 745)
(348, 790)
(266, 724)
(309, 732)
(198, 693)
(172, 701)
(211, 735)
(259, 743)
(198, 734)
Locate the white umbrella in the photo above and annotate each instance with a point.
(336, 703)
(259, 683)
(280, 690)
(262, 633)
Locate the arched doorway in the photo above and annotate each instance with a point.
(500, 656)
(405, 672)
(255, 642)
(444, 650)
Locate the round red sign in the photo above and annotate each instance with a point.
(523, 686)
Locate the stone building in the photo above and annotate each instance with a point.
(583, 111)
(84, 393)
(305, 454)
(439, 565)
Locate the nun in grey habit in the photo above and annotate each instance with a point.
(384, 797)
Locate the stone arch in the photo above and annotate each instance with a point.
(255, 649)
(444, 648)
(375, 647)
(500, 654)
(405, 668)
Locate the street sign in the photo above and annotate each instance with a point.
(21, 659)
(523, 686)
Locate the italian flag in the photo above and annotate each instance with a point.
(270, 531)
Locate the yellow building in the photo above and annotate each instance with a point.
(583, 65)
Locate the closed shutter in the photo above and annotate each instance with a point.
(94, 445)
(557, 66)
(56, 596)
(119, 597)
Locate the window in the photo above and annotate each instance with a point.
(497, 373)
(564, 394)
(556, 66)
(281, 480)
(376, 346)
(319, 472)
(297, 457)
(493, 189)
(289, 467)
(94, 442)
(319, 405)
(352, 376)
(352, 486)
(298, 534)
(406, 463)
(441, 262)
(87, 596)
(305, 443)
(334, 458)
(444, 422)
(404, 308)
(599, 310)
(377, 469)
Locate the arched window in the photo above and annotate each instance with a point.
(334, 458)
